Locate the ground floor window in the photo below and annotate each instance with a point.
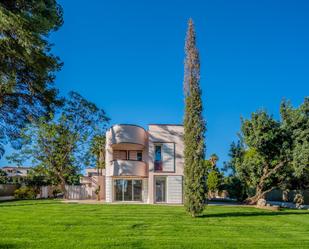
(127, 190)
(160, 189)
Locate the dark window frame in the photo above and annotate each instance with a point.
(157, 143)
(133, 180)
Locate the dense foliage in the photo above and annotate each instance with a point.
(61, 146)
(25, 192)
(3, 177)
(194, 130)
(273, 154)
(213, 181)
(214, 176)
(97, 149)
(27, 66)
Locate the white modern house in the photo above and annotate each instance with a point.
(144, 165)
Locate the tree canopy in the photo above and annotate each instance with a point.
(60, 146)
(273, 154)
(27, 66)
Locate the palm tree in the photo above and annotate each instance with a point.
(213, 160)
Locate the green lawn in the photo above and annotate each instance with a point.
(50, 224)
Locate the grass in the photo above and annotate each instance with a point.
(51, 224)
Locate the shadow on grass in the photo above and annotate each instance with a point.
(250, 214)
(7, 246)
(13, 203)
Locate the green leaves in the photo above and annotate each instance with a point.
(213, 180)
(295, 123)
(97, 149)
(275, 153)
(194, 130)
(27, 67)
(61, 145)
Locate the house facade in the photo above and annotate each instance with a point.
(91, 181)
(144, 165)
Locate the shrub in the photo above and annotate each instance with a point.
(213, 181)
(56, 192)
(97, 192)
(299, 200)
(235, 188)
(25, 193)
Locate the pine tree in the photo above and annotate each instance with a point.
(194, 129)
(27, 66)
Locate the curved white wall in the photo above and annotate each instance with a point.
(129, 134)
(127, 168)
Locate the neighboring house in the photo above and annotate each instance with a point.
(92, 180)
(16, 171)
(144, 165)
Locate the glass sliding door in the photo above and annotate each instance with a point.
(160, 189)
(137, 190)
(127, 190)
(118, 189)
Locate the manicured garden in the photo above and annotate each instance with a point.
(52, 224)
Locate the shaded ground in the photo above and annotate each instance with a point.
(51, 224)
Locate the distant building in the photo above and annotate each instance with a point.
(16, 171)
(92, 180)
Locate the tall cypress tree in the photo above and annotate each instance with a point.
(194, 129)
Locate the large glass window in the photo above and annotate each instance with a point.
(118, 189)
(137, 190)
(127, 190)
(160, 189)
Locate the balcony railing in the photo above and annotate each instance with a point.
(128, 168)
(127, 134)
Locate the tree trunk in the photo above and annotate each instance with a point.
(62, 186)
(254, 199)
(260, 194)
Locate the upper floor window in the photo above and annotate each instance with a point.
(164, 157)
(134, 155)
(158, 153)
(120, 155)
(158, 157)
(139, 156)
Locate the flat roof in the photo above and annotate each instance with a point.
(167, 124)
(128, 125)
(16, 167)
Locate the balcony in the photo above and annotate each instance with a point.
(128, 168)
(120, 136)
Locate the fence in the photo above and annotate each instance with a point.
(7, 189)
(288, 196)
(79, 192)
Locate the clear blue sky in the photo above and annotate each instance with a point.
(127, 57)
